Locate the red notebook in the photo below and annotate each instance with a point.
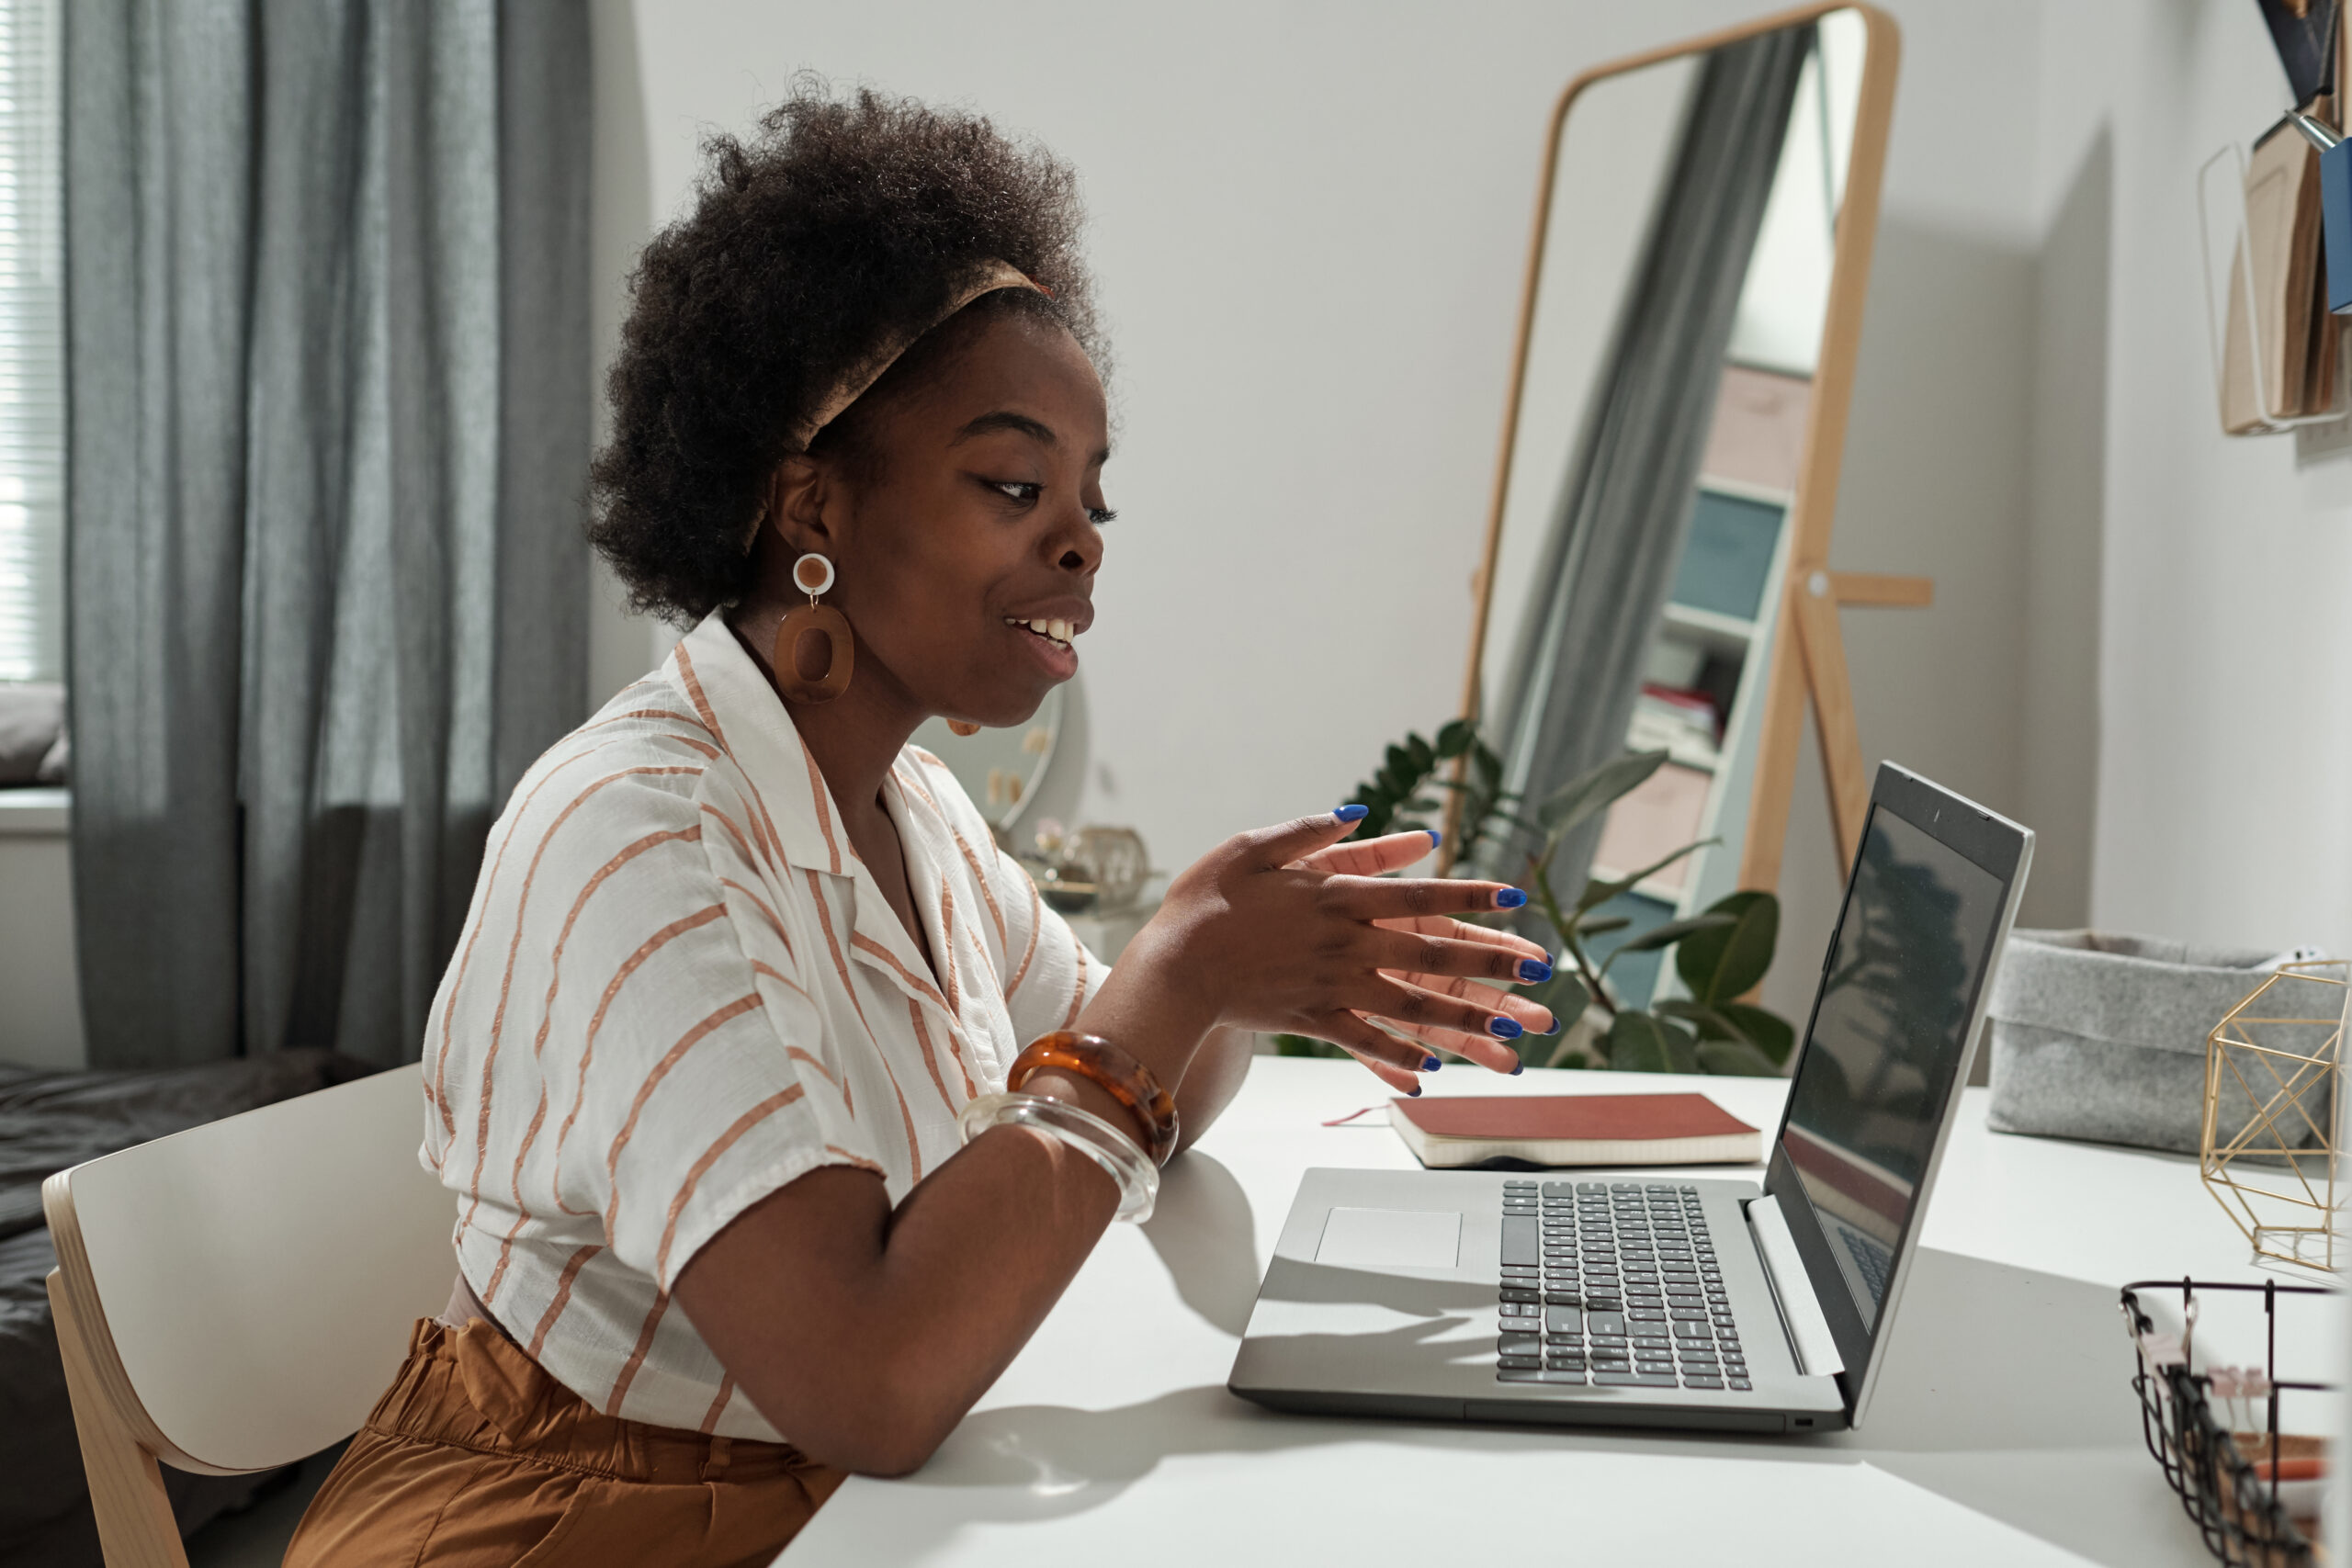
(1575, 1128)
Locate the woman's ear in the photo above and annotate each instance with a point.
(802, 490)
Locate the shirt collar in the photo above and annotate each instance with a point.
(797, 811)
(751, 725)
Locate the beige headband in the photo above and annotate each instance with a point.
(986, 278)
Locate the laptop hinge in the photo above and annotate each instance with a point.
(1809, 1335)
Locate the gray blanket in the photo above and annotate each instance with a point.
(49, 1121)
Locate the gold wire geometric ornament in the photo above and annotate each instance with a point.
(2267, 1149)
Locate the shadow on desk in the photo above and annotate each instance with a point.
(2006, 1391)
(1205, 1232)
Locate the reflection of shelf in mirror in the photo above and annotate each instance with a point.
(1740, 490)
(1710, 625)
(1690, 754)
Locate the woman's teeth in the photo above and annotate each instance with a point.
(1052, 631)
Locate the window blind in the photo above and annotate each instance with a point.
(32, 344)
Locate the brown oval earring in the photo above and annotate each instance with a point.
(813, 574)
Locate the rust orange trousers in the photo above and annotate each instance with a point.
(477, 1459)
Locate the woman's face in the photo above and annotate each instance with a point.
(973, 522)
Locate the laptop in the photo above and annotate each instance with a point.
(1636, 1299)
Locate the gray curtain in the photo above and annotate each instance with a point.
(329, 395)
(1618, 533)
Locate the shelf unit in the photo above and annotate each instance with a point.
(1735, 557)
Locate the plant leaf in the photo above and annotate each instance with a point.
(1456, 737)
(1666, 935)
(1704, 1021)
(1637, 1044)
(1734, 1059)
(1767, 1032)
(1597, 893)
(1602, 924)
(1564, 995)
(1583, 795)
(1730, 960)
(1300, 1045)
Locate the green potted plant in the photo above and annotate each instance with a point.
(1719, 955)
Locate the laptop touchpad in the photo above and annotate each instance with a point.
(1391, 1238)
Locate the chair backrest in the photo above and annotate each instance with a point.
(245, 1290)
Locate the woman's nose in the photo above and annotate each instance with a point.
(1080, 549)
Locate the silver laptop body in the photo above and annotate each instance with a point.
(1629, 1298)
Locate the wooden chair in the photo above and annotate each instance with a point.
(235, 1298)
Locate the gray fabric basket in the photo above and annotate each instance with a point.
(2103, 1037)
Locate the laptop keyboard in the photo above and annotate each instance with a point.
(1614, 1284)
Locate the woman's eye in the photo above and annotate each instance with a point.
(1099, 515)
(1017, 489)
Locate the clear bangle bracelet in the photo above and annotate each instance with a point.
(1099, 1140)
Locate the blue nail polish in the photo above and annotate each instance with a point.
(1510, 899)
(1517, 1068)
(1504, 1028)
(1436, 838)
(1533, 969)
(1415, 1091)
(1430, 1064)
(1556, 1025)
(1353, 813)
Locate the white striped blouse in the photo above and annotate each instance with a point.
(678, 989)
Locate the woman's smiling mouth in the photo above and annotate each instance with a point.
(1060, 633)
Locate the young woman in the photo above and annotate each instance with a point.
(719, 1072)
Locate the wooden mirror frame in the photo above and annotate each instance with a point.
(1808, 658)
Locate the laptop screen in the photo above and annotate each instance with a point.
(1887, 1039)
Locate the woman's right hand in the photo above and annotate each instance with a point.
(1281, 930)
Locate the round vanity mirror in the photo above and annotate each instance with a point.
(1000, 769)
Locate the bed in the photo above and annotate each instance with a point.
(49, 1121)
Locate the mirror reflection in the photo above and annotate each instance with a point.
(1680, 295)
(1000, 769)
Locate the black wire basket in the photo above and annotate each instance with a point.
(2235, 1509)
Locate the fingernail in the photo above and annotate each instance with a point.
(1503, 1028)
(1533, 969)
(1353, 813)
(1436, 838)
(1517, 1068)
(1414, 1092)
(1556, 1025)
(1430, 1064)
(1510, 899)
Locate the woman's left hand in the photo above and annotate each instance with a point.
(1377, 857)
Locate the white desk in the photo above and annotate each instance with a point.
(2004, 1430)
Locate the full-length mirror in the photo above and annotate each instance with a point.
(1670, 448)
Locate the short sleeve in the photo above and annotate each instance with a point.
(701, 1069)
(1052, 975)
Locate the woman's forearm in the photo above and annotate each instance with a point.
(863, 1334)
(1216, 1075)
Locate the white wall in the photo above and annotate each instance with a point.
(1309, 224)
(40, 1004)
(2225, 759)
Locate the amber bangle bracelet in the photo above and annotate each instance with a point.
(1112, 1071)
